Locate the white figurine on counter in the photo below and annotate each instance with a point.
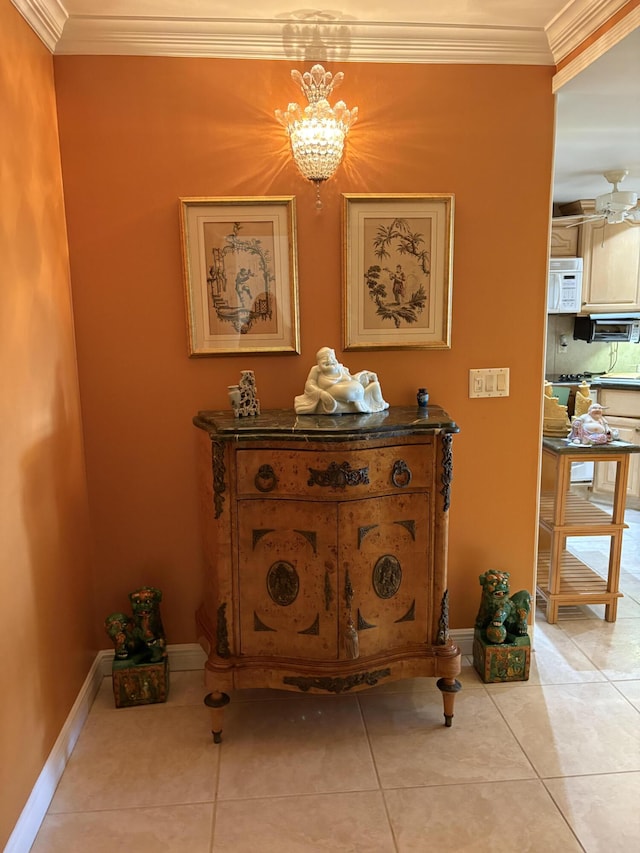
(592, 428)
(331, 389)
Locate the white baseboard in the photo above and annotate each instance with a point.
(463, 638)
(187, 656)
(28, 824)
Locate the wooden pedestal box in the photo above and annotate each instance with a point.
(140, 683)
(503, 661)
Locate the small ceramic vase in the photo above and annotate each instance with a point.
(234, 397)
(422, 397)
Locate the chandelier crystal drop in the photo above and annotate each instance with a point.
(317, 133)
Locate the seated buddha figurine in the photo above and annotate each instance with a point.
(592, 428)
(331, 389)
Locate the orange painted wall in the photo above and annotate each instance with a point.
(139, 133)
(46, 605)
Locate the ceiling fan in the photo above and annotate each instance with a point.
(613, 207)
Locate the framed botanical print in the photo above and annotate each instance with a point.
(397, 271)
(240, 272)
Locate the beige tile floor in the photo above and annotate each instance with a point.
(551, 764)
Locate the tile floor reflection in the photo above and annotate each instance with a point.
(551, 764)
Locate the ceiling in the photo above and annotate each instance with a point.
(598, 106)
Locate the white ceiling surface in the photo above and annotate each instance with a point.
(598, 115)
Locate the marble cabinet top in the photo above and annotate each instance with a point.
(286, 424)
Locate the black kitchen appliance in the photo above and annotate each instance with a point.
(607, 327)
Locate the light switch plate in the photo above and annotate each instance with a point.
(489, 382)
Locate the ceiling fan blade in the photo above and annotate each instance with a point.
(582, 219)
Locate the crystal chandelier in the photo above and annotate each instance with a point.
(317, 132)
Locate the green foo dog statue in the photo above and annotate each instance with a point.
(140, 669)
(140, 636)
(119, 627)
(502, 616)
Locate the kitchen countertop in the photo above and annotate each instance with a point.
(618, 381)
(621, 381)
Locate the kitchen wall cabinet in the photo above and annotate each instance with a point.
(564, 237)
(611, 267)
(623, 414)
(325, 552)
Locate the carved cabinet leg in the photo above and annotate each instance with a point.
(449, 688)
(216, 701)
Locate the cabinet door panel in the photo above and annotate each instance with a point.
(604, 480)
(564, 240)
(611, 271)
(384, 544)
(287, 575)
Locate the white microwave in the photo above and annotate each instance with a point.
(564, 293)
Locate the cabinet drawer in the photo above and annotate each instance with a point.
(620, 402)
(334, 473)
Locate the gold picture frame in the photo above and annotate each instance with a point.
(240, 274)
(397, 271)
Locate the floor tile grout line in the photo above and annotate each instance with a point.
(513, 734)
(562, 814)
(377, 772)
(298, 796)
(539, 776)
(125, 808)
(626, 698)
(589, 775)
(587, 655)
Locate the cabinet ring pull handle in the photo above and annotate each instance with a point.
(401, 474)
(265, 480)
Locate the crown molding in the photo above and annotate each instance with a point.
(366, 41)
(599, 47)
(45, 17)
(576, 22)
(276, 39)
(273, 39)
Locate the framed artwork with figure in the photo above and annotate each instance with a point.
(241, 275)
(397, 271)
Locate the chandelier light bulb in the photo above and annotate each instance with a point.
(317, 133)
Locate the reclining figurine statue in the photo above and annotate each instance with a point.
(331, 389)
(500, 614)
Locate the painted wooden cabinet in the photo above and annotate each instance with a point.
(564, 237)
(325, 552)
(611, 267)
(623, 414)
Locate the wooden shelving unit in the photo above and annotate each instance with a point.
(562, 578)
